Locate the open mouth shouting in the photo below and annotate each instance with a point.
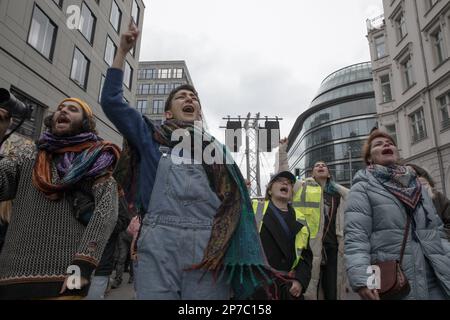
(387, 152)
(284, 190)
(188, 109)
(62, 120)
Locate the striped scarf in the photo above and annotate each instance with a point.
(82, 156)
(401, 181)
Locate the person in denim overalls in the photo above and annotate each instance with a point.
(179, 204)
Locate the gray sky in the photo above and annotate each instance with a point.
(257, 55)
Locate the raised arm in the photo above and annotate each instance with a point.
(127, 120)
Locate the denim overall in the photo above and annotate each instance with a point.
(174, 235)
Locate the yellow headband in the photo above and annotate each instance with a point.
(87, 110)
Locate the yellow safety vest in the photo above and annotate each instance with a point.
(306, 203)
(302, 237)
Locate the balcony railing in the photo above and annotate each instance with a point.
(375, 23)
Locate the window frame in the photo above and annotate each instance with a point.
(445, 123)
(382, 36)
(414, 124)
(106, 47)
(120, 16)
(134, 2)
(439, 48)
(158, 107)
(130, 78)
(139, 108)
(407, 72)
(86, 77)
(94, 25)
(53, 44)
(383, 85)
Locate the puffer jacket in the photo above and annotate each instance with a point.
(375, 221)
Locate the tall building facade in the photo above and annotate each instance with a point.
(410, 47)
(336, 124)
(53, 49)
(156, 79)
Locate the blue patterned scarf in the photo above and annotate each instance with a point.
(401, 181)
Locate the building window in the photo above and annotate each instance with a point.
(87, 23)
(386, 88)
(127, 75)
(142, 106)
(407, 71)
(391, 130)
(380, 46)
(80, 68)
(116, 16)
(178, 73)
(160, 88)
(438, 46)
(418, 127)
(444, 107)
(400, 25)
(158, 106)
(135, 13)
(31, 127)
(163, 73)
(110, 51)
(143, 89)
(102, 82)
(42, 33)
(147, 74)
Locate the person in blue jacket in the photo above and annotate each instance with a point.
(382, 197)
(198, 233)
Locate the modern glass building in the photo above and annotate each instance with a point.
(336, 124)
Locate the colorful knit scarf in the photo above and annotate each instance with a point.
(234, 249)
(401, 181)
(82, 156)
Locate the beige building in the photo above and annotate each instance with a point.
(410, 50)
(156, 79)
(53, 49)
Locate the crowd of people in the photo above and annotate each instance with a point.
(75, 208)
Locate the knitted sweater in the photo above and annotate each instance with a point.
(44, 237)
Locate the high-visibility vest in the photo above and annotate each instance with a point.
(306, 202)
(301, 238)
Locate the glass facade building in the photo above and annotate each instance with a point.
(336, 124)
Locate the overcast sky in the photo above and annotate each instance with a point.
(257, 55)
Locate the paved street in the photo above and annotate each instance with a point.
(124, 292)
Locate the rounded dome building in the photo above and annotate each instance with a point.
(336, 124)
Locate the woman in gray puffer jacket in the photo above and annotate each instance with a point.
(382, 196)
